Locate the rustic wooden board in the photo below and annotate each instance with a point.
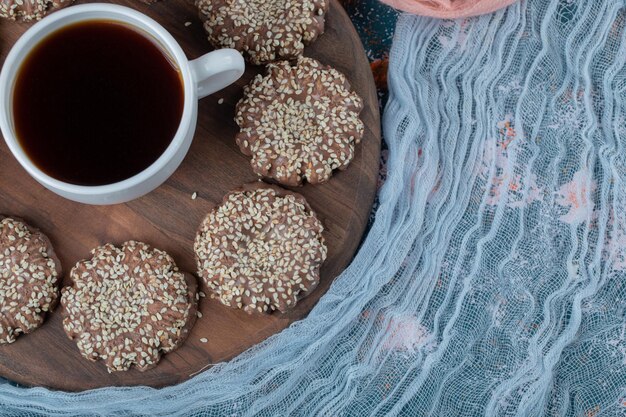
(168, 218)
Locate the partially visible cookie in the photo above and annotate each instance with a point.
(260, 249)
(299, 122)
(29, 278)
(263, 30)
(128, 305)
(27, 10)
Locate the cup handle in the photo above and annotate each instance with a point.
(216, 70)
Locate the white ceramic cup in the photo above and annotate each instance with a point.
(201, 77)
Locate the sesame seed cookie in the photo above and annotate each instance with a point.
(29, 278)
(260, 249)
(27, 10)
(263, 30)
(299, 122)
(128, 305)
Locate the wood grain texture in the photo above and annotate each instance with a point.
(168, 218)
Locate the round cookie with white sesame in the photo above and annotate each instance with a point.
(29, 278)
(299, 122)
(261, 249)
(128, 305)
(27, 10)
(263, 30)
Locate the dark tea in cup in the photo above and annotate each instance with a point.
(96, 102)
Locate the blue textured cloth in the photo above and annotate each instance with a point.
(493, 279)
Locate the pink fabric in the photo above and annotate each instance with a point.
(448, 9)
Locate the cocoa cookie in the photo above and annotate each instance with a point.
(128, 305)
(27, 10)
(263, 30)
(299, 122)
(29, 278)
(260, 249)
